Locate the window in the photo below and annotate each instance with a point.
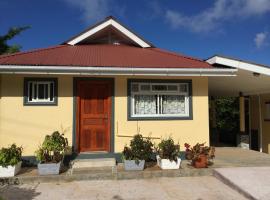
(155, 99)
(40, 91)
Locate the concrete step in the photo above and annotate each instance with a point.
(94, 170)
(96, 163)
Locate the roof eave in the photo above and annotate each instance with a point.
(238, 64)
(132, 71)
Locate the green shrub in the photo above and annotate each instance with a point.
(10, 156)
(140, 149)
(168, 150)
(52, 149)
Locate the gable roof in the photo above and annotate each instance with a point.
(104, 55)
(109, 22)
(108, 48)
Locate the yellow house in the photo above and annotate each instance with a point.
(100, 88)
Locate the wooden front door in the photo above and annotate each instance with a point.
(94, 103)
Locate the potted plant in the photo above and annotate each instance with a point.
(140, 150)
(10, 161)
(51, 153)
(168, 154)
(199, 154)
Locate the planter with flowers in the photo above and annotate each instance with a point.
(168, 154)
(51, 153)
(10, 161)
(199, 154)
(139, 151)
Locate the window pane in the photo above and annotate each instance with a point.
(51, 91)
(145, 104)
(172, 87)
(46, 91)
(159, 87)
(35, 90)
(183, 88)
(145, 87)
(41, 93)
(173, 104)
(30, 91)
(135, 88)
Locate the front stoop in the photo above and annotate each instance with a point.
(97, 164)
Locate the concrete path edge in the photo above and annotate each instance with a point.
(226, 181)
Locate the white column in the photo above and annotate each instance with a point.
(260, 122)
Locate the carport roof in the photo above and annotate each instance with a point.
(250, 79)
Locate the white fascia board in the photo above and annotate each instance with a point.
(116, 25)
(239, 65)
(4, 69)
(89, 33)
(129, 34)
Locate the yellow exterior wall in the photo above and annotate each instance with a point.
(27, 125)
(265, 124)
(191, 131)
(255, 119)
(254, 113)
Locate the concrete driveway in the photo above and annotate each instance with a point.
(197, 188)
(253, 182)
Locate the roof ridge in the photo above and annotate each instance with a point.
(178, 54)
(30, 51)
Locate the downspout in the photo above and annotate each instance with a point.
(260, 124)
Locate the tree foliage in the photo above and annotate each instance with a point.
(227, 113)
(5, 48)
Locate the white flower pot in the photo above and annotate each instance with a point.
(10, 171)
(167, 164)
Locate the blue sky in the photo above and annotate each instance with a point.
(236, 28)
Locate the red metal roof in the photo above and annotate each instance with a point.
(103, 55)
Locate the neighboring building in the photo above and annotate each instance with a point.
(103, 86)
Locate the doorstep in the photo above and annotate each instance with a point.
(30, 175)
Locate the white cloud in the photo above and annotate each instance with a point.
(261, 39)
(93, 10)
(222, 10)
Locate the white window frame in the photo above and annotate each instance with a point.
(37, 82)
(151, 92)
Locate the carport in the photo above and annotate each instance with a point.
(252, 85)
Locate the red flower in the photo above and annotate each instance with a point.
(186, 145)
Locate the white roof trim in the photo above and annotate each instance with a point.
(239, 64)
(80, 70)
(105, 24)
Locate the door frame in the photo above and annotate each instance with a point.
(75, 125)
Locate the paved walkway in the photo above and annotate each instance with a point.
(237, 157)
(253, 182)
(225, 157)
(192, 188)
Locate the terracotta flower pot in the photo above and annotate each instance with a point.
(201, 162)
